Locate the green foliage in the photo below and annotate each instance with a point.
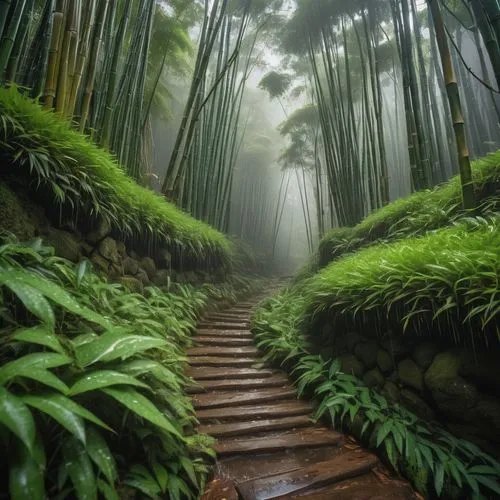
(83, 180)
(437, 462)
(418, 213)
(92, 384)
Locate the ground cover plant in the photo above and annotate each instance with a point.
(91, 381)
(44, 153)
(418, 213)
(437, 463)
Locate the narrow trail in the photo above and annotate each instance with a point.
(267, 446)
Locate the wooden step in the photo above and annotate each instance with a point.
(223, 352)
(220, 488)
(228, 399)
(313, 476)
(219, 325)
(278, 442)
(254, 426)
(216, 361)
(238, 384)
(224, 373)
(232, 317)
(274, 410)
(223, 341)
(211, 332)
(367, 487)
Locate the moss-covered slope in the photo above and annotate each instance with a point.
(68, 170)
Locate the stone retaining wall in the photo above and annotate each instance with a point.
(452, 385)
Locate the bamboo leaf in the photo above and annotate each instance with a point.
(40, 335)
(26, 475)
(101, 455)
(103, 378)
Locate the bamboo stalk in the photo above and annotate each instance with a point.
(9, 35)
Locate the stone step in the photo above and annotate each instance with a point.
(228, 399)
(254, 426)
(316, 475)
(314, 437)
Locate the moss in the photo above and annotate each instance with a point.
(13, 217)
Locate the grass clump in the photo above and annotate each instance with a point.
(44, 152)
(447, 279)
(437, 463)
(92, 398)
(418, 213)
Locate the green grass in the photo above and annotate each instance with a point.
(418, 213)
(85, 181)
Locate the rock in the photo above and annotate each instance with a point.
(354, 338)
(148, 264)
(134, 255)
(122, 249)
(455, 397)
(13, 217)
(116, 271)
(164, 258)
(484, 370)
(393, 377)
(107, 248)
(86, 248)
(384, 361)
(99, 262)
(396, 348)
(132, 284)
(391, 391)
(410, 374)
(327, 352)
(101, 229)
(65, 244)
(143, 277)
(352, 365)
(191, 277)
(486, 417)
(367, 353)
(416, 404)
(444, 368)
(340, 343)
(162, 278)
(130, 266)
(425, 353)
(373, 378)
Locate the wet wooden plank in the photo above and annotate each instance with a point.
(247, 351)
(279, 442)
(275, 410)
(238, 384)
(223, 341)
(212, 332)
(227, 399)
(223, 373)
(254, 426)
(215, 361)
(245, 468)
(236, 317)
(220, 325)
(316, 475)
(366, 487)
(220, 489)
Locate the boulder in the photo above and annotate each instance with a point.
(116, 271)
(65, 244)
(13, 216)
(416, 404)
(130, 266)
(354, 338)
(352, 365)
(100, 230)
(410, 374)
(455, 397)
(483, 369)
(86, 248)
(164, 258)
(148, 264)
(391, 391)
(143, 277)
(107, 248)
(444, 368)
(99, 262)
(373, 378)
(425, 353)
(486, 417)
(384, 361)
(395, 346)
(132, 284)
(367, 353)
(122, 249)
(134, 255)
(162, 278)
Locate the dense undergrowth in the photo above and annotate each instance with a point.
(437, 463)
(68, 171)
(92, 395)
(418, 213)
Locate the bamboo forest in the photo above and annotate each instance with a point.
(249, 249)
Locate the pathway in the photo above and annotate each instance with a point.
(267, 446)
